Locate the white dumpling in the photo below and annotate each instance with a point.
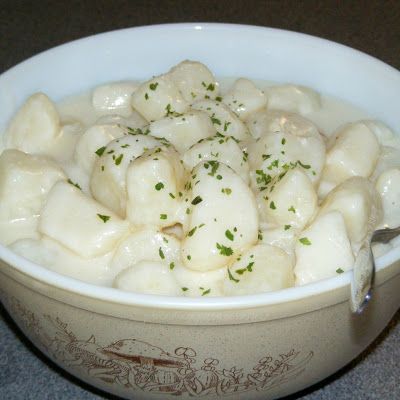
(54, 256)
(353, 151)
(198, 283)
(291, 201)
(294, 98)
(282, 237)
(359, 203)
(146, 244)
(389, 158)
(35, 127)
(275, 153)
(114, 98)
(134, 121)
(149, 277)
(80, 223)
(244, 98)
(194, 80)
(271, 121)
(323, 250)
(222, 217)
(154, 184)
(108, 179)
(158, 98)
(25, 181)
(384, 135)
(92, 141)
(184, 130)
(222, 149)
(388, 186)
(224, 119)
(262, 268)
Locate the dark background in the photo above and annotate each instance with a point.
(29, 27)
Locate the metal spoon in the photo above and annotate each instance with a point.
(364, 269)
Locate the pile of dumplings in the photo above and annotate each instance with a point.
(178, 189)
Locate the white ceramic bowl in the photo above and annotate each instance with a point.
(248, 347)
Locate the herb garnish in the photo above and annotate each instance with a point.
(305, 241)
(231, 277)
(159, 186)
(229, 235)
(223, 250)
(104, 218)
(197, 200)
(100, 151)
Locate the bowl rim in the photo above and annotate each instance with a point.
(113, 295)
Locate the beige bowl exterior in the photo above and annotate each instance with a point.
(263, 352)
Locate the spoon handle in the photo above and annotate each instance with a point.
(362, 277)
(364, 269)
(385, 235)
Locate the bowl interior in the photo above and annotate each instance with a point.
(228, 50)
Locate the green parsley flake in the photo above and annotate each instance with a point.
(249, 268)
(159, 186)
(104, 218)
(197, 200)
(192, 231)
(206, 292)
(223, 250)
(227, 191)
(287, 227)
(305, 166)
(262, 177)
(100, 151)
(292, 209)
(283, 141)
(272, 205)
(171, 265)
(168, 109)
(215, 121)
(339, 271)
(161, 253)
(119, 159)
(184, 289)
(231, 277)
(218, 98)
(211, 87)
(74, 184)
(171, 195)
(260, 236)
(305, 241)
(274, 164)
(163, 216)
(229, 235)
(189, 257)
(146, 96)
(153, 86)
(214, 167)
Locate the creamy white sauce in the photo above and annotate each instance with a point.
(77, 114)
